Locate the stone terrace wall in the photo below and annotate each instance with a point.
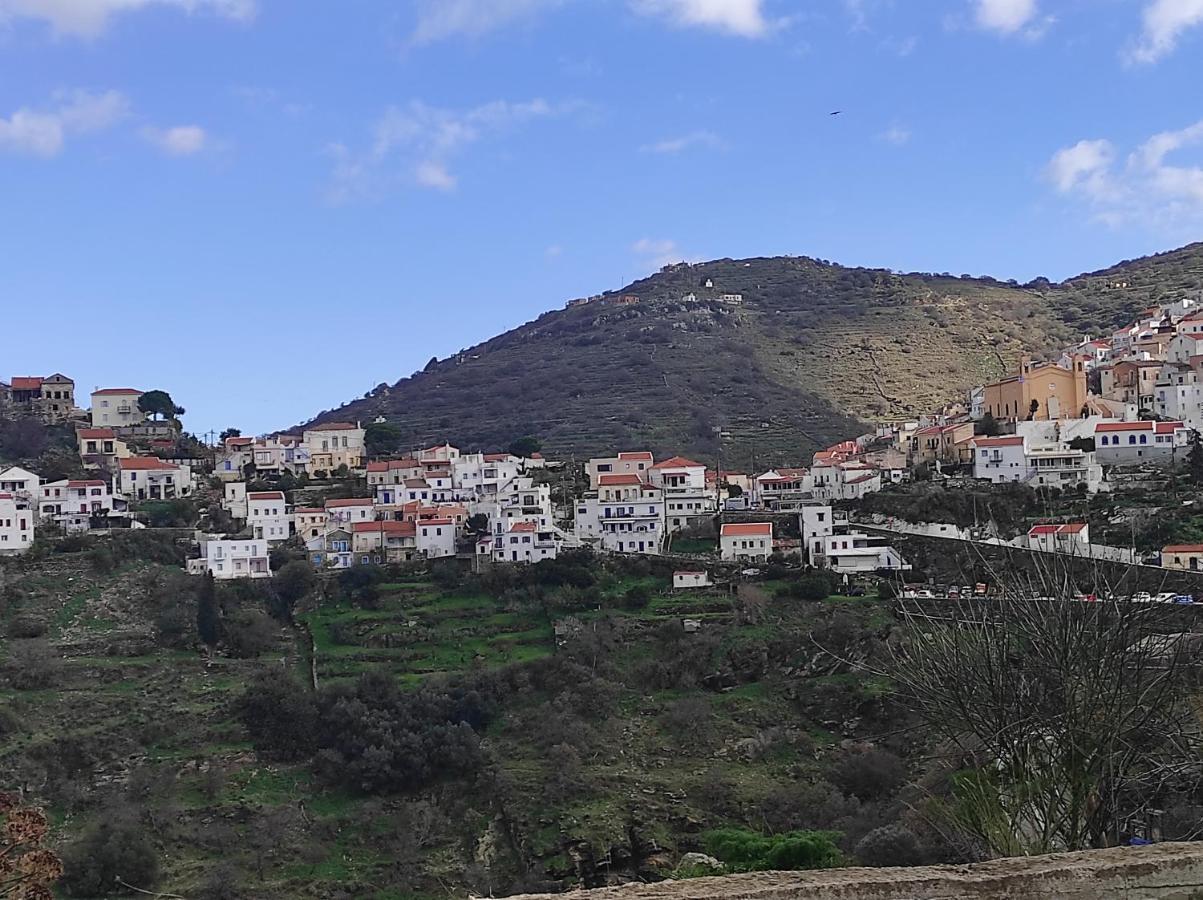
(1160, 872)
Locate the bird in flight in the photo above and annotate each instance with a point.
(836, 113)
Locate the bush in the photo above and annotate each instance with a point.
(27, 627)
(280, 716)
(114, 850)
(812, 586)
(102, 560)
(746, 851)
(869, 774)
(889, 845)
(249, 632)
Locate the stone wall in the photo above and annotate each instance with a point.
(1159, 872)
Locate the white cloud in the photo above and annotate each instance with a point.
(1005, 16)
(896, 135)
(1159, 183)
(431, 174)
(1020, 18)
(744, 18)
(44, 132)
(684, 142)
(182, 140)
(655, 253)
(89, 18)
(441, 19)
(415, 144)
(1164, 23)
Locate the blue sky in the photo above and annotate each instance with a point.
(268, 207)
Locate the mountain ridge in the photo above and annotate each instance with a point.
(814, 351)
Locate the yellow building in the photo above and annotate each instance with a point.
(1040, 391)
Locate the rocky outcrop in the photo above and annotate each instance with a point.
(1160, 872)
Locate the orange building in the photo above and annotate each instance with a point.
(1041, 391)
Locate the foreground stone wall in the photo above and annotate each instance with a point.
(1160, 872)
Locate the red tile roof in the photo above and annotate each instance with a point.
(309, 511)
(1007, 441)
(96, 434)
(1123, 426)
(678, 462)
(107, 391)
(144, 464)
(385, 526)
(524, 526)
(356, 501)
(1183, 548)
(27, 382)
(636, 455)
(496, 457)
(333, 426)
(86, 484)
(437, 522)
(617, 480)
(266, 495)
(1168, 427)
(745, 529)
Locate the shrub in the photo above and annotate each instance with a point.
(747, 851)
(280, 716)
(27, 627)
(102, 560)
(889, 845)
(113, 851)
(249, 632)
(869, 774)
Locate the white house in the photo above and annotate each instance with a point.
(849, 480)
(234, 500)
(387, 475)
(1132, 443)
(1184, 347)
(347, 512)
(16, 525)
(436, 538)
(73, 504)
(230, 559)
(151, 478)
(267, 516)
(21, 483)
(623, 515)
(855, 552)
(746, 541)
(116, 408)
(636, 463)
(1073, 537)
(684, 581)
(682, 484)
(525, 542)
(1178, 394)
(280, 453)
(816, 524)
(1000, 459)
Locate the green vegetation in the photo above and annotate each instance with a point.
(742, 850)
(564, 704)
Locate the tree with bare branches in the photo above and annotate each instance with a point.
(1067, 721)
(28, 870)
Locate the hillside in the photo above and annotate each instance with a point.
(814, 350)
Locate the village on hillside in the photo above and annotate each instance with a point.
(1106, 407)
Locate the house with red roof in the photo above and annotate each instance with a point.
(74, 503)
(51, 397)
(746, 541)
(1135, 443)
(268, 516)
(100, 447)
(1069, 537)
(623, 514)
(631, 462)
(784, 488)
(116, 408)
(151, 478)
(1185, 557)
(524, 542)
(682, 483)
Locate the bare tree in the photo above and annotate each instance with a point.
(1069, 720)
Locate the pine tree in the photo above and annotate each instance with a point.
(1194, 458)
(208, 615)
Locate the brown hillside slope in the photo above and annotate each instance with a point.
(814, 351)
